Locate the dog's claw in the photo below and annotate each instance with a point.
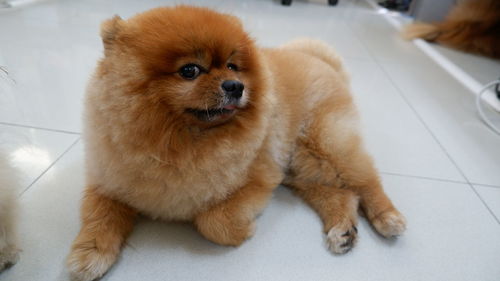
(340, 240)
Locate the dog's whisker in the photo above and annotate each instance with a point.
(160, 160)
(208, 112)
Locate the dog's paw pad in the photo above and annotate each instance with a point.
(390, 223)
(341, 238)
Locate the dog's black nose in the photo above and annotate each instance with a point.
(233, 88)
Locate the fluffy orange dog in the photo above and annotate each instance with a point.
(187, 120)
(472, 26)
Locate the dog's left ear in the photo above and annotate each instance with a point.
(110, 29)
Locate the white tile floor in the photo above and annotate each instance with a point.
(440, 164)
(480, 68)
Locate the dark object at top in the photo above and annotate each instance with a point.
(289, 2)
(497, 89)
(396, 5)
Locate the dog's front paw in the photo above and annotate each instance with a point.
(8, 256)
(224, 227)
(86, 262)
(390, 223)
(342, 237)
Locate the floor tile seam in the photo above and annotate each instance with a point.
(49, 167)
(484, 203)
(420, 118)
(485, 185)
(39, 128)
(436, 139)
(423, 177)
(440, 179)
(408, 103)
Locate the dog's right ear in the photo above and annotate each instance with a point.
(110, 29)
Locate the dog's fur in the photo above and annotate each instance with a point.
(471, 26)
(296, 124)
(9, 251)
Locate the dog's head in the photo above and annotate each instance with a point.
(199, 64)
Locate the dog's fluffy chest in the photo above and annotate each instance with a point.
(161, 190)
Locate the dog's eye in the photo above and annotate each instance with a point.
(232, 66)
(190, 71)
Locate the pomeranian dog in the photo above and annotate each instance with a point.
(188, 120)
(471, 26)
(9, 252)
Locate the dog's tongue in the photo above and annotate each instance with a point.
(230, 107)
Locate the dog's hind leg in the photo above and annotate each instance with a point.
(330, 168)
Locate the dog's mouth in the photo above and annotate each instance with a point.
(213, 114)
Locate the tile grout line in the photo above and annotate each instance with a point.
(39, 128)
(484, 202)
(439, 179)
(400, 92)
(437, 140)
(50, 166)
(485, 185)
(423, 178)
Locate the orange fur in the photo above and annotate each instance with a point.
(472, 26)
(147, 152)
(106, 225)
